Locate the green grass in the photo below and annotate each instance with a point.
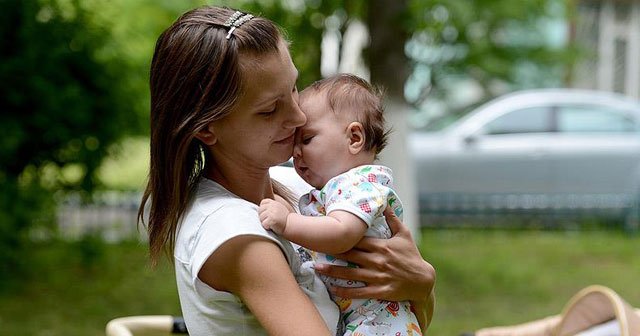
(78, 287)
(489, 278)
(485, 278)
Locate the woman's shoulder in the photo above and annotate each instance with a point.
(217, 214)
(210, 195)
(214, 218)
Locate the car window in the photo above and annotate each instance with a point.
(593, 119)
(445, 120)
(528, 120)
(439, 123)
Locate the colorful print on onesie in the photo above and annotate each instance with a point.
(364, 191)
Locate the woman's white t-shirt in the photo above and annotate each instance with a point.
(215, 216)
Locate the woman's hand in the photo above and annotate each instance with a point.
(392, 268)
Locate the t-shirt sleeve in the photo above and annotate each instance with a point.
(357, 195)
(224, 224)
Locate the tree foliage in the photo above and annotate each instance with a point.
(498, 45)
(62, 104)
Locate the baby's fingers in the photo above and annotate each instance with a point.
(265, 203)
(267, 224)
(263, 214)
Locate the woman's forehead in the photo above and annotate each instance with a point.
(266, 77)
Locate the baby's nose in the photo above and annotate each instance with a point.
(297, 151)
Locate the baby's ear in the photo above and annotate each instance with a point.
(207, 135)
(356, 137)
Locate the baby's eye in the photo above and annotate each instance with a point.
(306, 140)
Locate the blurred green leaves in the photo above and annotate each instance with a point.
(62, 104)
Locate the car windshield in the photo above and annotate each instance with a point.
(441, 122)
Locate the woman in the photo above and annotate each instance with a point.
(223, 111)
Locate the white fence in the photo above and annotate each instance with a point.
(112, 214)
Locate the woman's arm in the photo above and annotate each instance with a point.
(256, 270)
(392, 268)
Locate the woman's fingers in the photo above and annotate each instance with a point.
(347, 273)
(394, 222)
(363, 258)
(376, 245)
(376, 282)
(393, 268)
(373, 292)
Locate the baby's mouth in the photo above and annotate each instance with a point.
(301, 168)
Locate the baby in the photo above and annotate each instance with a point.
(334, 152)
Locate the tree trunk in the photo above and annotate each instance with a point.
(388, 64)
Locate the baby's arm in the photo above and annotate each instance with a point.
(337, 232)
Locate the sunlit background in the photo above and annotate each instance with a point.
(518, 198)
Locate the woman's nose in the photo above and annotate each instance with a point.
(296, 118)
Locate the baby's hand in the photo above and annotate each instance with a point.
(273, 215)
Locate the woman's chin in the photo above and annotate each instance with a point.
(282, 158)
(286, 163)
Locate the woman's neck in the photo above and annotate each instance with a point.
(250, 185)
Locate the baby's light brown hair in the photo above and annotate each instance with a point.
(350, 92)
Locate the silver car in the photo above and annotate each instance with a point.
(550, 151)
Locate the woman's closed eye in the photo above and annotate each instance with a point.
(267, 113)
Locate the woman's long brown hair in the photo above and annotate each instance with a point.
(195, 79)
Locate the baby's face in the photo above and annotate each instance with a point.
(321, 149)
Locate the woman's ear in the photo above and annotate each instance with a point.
(207, 135)
(356, 137)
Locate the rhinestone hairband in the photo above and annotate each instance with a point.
(236, 20)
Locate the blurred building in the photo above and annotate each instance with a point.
(609, 33)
